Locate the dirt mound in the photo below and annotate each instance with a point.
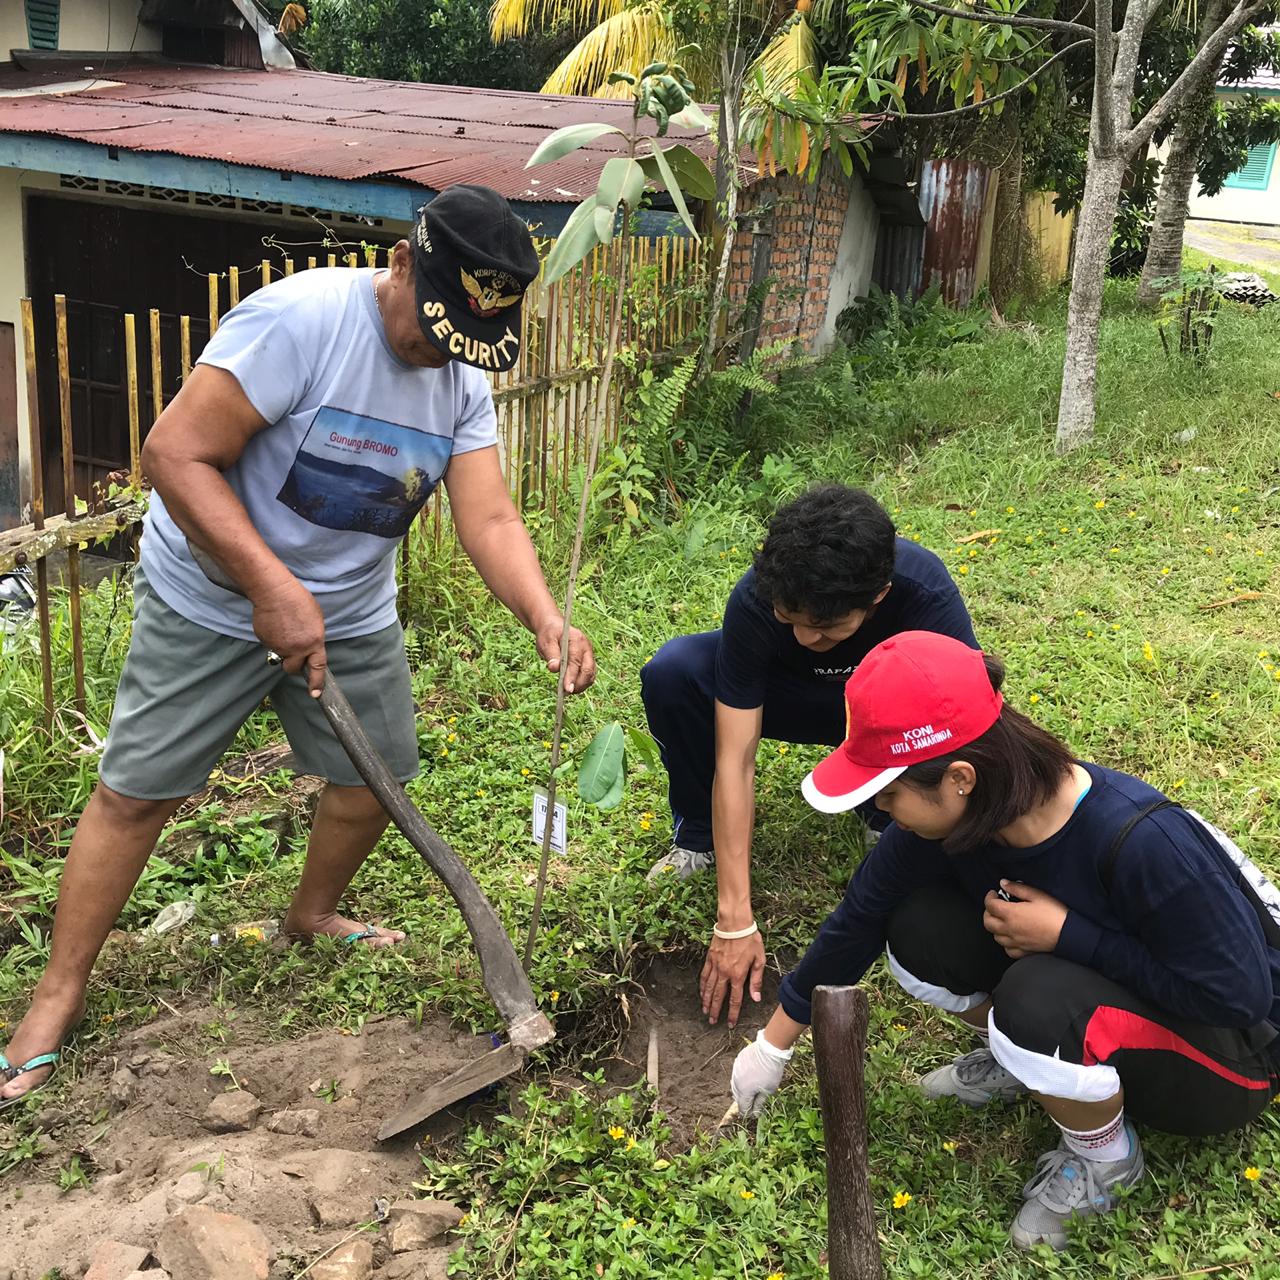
(694, 1060)
(135, 1126)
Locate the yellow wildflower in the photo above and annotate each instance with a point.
(774, 1275)
(1008, 511)
(747, 1195)
(452, 720)
(902, 1199)
(546, 744)
(950, 1146)
(524, 773)
(1101, 502)
(1035, 697)
(628, 1222)
(616, 1133)
(899, 1026)
(973, 511)
(733, 551)
(1208, 551)
(964, 568)
(453, 737)
(1165, 571)
(1181, 782)
(1088, 635)
(631, 1142)
(647, 816)
(783, 749)
(444, 751)
(555, 997)
(480, 791)
(1148, 652)
(645, 824)
(1253, 1173)
(1214, 696)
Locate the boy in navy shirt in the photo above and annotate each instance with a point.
(831, 581)
(1118, 957)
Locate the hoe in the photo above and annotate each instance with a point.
(504, 979)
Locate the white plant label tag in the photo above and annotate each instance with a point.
(559, 825)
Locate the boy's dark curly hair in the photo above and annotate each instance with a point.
(827, 553)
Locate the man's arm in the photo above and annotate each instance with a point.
(497, 543)
(201, 433)
(733, 965)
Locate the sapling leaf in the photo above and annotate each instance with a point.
(603, 765)
(673, 187)
(568, 139)
(641, 747)
(574, 242)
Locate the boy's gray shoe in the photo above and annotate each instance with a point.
(1068, 1186)
(682, 862)
(973, 1079)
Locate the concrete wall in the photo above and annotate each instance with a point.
(13, 285)
(97, 25)
(855, 259)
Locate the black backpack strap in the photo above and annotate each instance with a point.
(1107, 867)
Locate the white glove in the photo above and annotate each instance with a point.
(757, 1073)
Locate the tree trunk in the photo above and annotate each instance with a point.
(1164, 253)
(1077, 404)
(733, 61)
(1010, 240)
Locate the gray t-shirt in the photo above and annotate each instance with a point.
(358, 440)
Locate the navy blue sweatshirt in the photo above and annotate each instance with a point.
(1174, 927)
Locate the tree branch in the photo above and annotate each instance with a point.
(1209, 52)
(986, 102)
(1137, 15)
(1102, 128)
(980, 13)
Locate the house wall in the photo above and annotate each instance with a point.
(97, 25)
(1237, 204)
(819, 253)
(13, 287)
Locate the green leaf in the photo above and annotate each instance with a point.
(621, 179)
(643, 748)
(604, 218)
(573, 243)
(568, 139)
(603, 765)
(696, 179)
(613, 797)
(695, 538)
(672, 185)
(691, 117)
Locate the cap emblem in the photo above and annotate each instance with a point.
(490, 290)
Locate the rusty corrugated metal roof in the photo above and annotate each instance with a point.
(330, 126)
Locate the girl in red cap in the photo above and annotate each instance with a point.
(1117, 956)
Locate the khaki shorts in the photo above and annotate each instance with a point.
(185, 692)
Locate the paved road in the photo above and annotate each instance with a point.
(1237, 242)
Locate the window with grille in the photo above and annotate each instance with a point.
(42, 23)
(1256, 174)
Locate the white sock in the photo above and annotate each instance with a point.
(1111, 1142)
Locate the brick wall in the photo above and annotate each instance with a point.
(808, 220)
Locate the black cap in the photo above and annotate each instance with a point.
(473, 258)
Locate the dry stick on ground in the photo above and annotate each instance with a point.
(333, 1248)
(601, 410)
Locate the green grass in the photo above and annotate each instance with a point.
(1094, 590)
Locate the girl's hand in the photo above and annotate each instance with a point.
(1028, 925)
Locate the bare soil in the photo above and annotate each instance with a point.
(135, 1125)
(695, 1059)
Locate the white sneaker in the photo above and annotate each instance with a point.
(973, 1079)
(682, 862)
(1067, 1186)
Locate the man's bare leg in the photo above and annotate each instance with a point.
(347, 825)
(112, 842)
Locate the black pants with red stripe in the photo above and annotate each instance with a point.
(1067, 1032)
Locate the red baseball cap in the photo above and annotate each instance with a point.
(915, 696)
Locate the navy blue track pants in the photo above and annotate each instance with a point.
(678, 687)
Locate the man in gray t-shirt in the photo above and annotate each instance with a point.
(318, 421)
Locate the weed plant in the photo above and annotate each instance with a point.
(1100, 577)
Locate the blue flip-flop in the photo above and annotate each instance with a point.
(361, 934)
(9, 1072)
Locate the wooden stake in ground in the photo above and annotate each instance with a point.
(839, 1045)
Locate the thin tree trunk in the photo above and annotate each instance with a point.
(732, 69)
(1096, 220)
(1164, 253)
(1009, 242)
